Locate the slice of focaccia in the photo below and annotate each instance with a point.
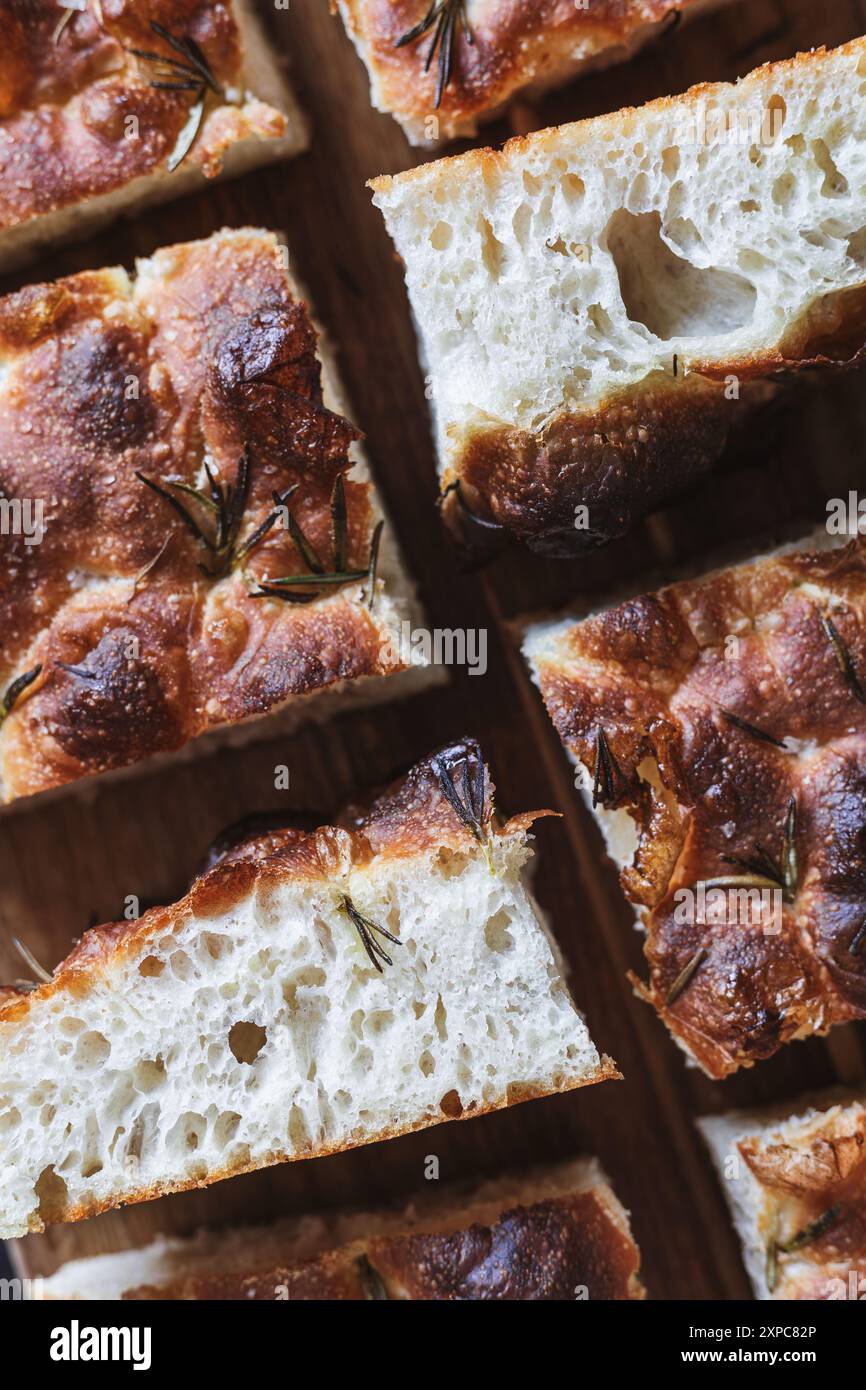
(442, 66)
(110, 105)
(721, 728)
(138, 614)
(553, 1234)
(599, 304)
(795, 1180)
(310, 993)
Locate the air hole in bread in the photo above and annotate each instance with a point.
(835, 182)
(215, 945)
(451, 1105)
(496, 934)
(246, 1041)
(856, 247)
(573, 187)
(298, 1133)
(440, 237)
(151, 966)
(51, 1192)
(667, 294)
(226, 1128)
(148, 1075)
(427, 1063)
(777, 112)
(92, 1049)
(187, 1133)
(440, 1019)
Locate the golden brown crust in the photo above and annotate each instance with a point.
(515, 44)
(630, 452)
(812, 1179)
(661, 676)
(208, 356)
(80, 117)
(633, 452)
(414, 816)
(560, 1248)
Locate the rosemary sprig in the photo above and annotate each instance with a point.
(16, 689)
(227, 505)
(762, 870)
(443, 18)
(606, 771)
(365, 928)
(809, 1234)
(371, 1280)
(752, 729)
(374, 562)
(28, 957)
(339, 528)
(192, 74)
(843, 658)
(146, 569)
(750, 880)
(686, 976)
(857, 939)
(802, 1238)
(469, 808)
(316, 579)
(790, 872)
(62, 22)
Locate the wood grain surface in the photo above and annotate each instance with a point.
(70, 863)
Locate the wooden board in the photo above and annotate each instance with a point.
(68, 864)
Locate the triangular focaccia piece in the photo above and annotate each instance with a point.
(552, 1234)
(485, 53)
(112, 105)
(720, 724)
(795, 1180)
(130, 629)
(310, 993)
(599, 304)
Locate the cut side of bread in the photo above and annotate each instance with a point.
(140, 616)
(720, 726)
(499, 50)
(85, 135)
(552, 1234)
(311, 992)
(795, 1180)
(599, 305)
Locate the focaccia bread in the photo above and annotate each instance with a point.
(109, 105)
(310, 993)
(554, 1234)
(796, 1184)
(442, 66)
(721, 728)
(599, 305)
(143, 616)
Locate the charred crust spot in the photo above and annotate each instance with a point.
(111, 708)
(94, 380)
(266, 380)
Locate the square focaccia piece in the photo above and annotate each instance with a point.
(192, 540)
(720, 727)
(442, 67)
(600, 306)
(555, 1234)
(110, 105)
(795, 1180)
(313, 991)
